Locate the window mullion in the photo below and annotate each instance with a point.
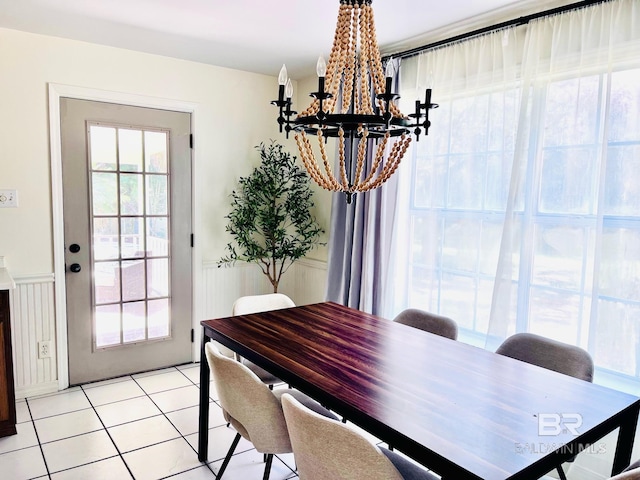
(531, 198)
(602, 147)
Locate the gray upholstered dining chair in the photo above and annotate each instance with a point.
(252, 408)
(327, 449)
(255, 304)
(429, 322)
(632, 472)
(629, 474)
(552, 355)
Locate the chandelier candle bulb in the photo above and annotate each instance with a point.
(321, 70)
(354, 103)
(389, 69)
(282, 77)
(289, 90)
(282, 81)
(285, 87)
(321, 67)
(388, 76)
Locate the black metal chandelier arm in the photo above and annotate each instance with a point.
(285, 114)
(422, 111)
(354, 103)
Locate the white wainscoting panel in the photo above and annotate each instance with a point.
(305, 282)
(32, 321)
(33, 312)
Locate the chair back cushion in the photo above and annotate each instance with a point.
(429, 322)
(261, 303)
(628, 475)
(550, 354)
(256, 304)
(251, 407)
(327, 449)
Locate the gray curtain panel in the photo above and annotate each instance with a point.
(360, 240)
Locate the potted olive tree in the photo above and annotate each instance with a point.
(270, 220)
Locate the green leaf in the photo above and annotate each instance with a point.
(270, 219)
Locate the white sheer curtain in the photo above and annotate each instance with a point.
(521, 211)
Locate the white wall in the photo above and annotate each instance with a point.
(233, 115)
(322, 198)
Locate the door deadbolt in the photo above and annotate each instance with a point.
(74, 248)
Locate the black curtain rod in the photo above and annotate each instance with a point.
(509, 23)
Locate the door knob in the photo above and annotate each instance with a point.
(74, 248)
(75, 267)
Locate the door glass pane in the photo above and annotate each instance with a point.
(132, 237)
(133, 280)
(105, 238)
(157, 195)
(130, 225)
(133, 322)
(155, 152)
(130, 149)
(104, 192)
(157, 237)
(131, 194)
(158, 279)
(103, 150)
(158, 315)
(108, 325)
(106, 282)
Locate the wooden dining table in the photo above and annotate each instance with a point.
(462, 411)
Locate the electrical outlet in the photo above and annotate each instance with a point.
(44, 349)
(8, 198)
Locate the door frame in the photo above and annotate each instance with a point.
(57, 91)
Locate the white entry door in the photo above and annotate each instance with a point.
(128, 242)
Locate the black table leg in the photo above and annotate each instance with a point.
(203, 423)
(626, 435)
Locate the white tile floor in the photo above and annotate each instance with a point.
(141, 426)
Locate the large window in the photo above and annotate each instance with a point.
(458, 199)
(574, 223)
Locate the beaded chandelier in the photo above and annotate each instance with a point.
(353, 104)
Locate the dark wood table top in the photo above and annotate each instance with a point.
(462, 411)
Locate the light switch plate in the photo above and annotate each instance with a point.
(8, 198)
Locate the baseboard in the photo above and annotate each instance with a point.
(35, 390)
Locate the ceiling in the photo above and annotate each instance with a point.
(252, 35)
